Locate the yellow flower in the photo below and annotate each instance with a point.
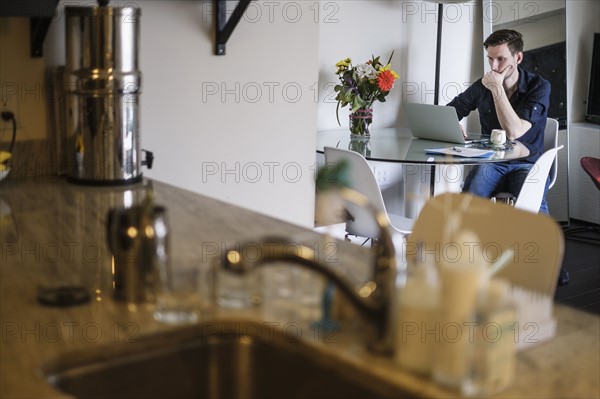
(345, 62)
(388, 68)
(343, 65)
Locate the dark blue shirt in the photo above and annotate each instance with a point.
(530, 101)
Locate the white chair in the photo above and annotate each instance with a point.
(363, 180)
(551, 141)
(537, 257)
(531, 194)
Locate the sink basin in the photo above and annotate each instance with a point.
(212, 360)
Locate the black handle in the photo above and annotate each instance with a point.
(149, 160)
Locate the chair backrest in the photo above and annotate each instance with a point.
(532, 192)
(551, 141)
(536, 239)
(363, 180)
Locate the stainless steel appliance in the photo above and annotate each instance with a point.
(101, 92)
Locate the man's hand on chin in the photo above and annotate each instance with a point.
(493, 80)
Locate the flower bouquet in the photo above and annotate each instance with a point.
(360, 86)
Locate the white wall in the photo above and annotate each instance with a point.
(509, 11)
(546, 30)
(359, 29)
(239, 127)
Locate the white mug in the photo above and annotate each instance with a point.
(498, 137)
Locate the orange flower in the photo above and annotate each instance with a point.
(385, 80)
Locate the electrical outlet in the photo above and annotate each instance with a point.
(8, 102)
(381, 175)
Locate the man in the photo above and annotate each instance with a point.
(514, 100)
(511, 99)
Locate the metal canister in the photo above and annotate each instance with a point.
(102, 87)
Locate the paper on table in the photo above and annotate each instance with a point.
(461, 152)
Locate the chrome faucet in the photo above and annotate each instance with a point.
(374, 300)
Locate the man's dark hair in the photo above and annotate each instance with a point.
(512, 38)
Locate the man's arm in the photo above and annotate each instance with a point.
(464, 103)
(514, 126)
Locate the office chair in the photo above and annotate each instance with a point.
(363, 180)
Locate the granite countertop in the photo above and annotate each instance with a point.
(53, 233)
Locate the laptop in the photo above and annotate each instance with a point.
(439, 123)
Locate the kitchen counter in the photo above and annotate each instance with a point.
(53, 233)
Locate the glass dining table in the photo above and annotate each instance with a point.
(393, 151)
(399, 145)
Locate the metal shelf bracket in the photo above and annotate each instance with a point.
(225, 27)
(40, 14)
(38, 28)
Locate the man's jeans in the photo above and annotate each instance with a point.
(487, 180)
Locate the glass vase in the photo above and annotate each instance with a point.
(360, 122)
(360, 144)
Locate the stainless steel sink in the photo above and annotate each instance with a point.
(213, 361)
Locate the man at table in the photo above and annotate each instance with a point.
(512, 99)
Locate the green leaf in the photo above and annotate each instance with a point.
(357, 104)
(349, 97)
(391, 55)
